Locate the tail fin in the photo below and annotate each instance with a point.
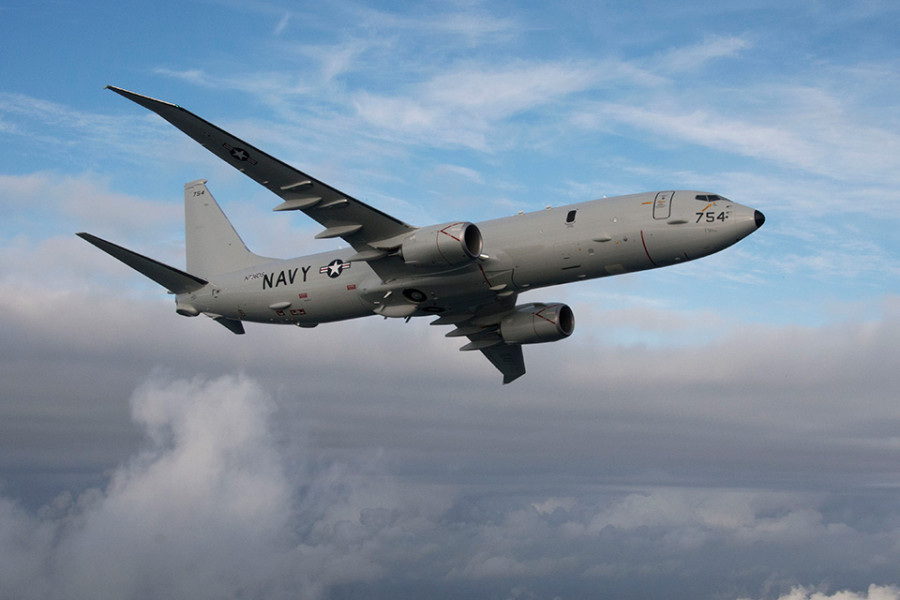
(211, 243)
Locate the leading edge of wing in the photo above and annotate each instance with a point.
(343, 216)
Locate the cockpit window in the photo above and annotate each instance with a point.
(708, 197)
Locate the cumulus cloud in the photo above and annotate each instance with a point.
(210, 508)
(228, 497)
(67, 201)
(874, 592)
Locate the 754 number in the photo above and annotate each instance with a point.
(711, 217)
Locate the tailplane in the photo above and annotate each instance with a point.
(211, 243)
(212, 246)
(174, 280)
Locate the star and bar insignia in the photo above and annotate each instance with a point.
(334, 268)
(239, 153)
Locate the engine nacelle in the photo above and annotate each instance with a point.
(442, 245)
(537, 323)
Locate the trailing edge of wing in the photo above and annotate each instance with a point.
(172, 279)
(356, 222)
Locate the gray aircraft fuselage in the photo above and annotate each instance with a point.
(611, 236)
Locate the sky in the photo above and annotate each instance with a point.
(723, 429)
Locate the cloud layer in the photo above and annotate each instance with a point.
(210, 508)
(722, 429)
(222, 502)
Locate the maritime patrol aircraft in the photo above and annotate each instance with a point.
(462, 274)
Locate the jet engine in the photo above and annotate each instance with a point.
(536, 323)
(442, 245)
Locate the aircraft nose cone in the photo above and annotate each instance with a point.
(759, 218)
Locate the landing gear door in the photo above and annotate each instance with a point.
(662, 206)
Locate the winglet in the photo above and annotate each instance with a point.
(145, 101)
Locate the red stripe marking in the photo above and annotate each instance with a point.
(539, 314)
(444, 231)
(483, 274)
(647, 252)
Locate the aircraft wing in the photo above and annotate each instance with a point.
(360, 225)
(508, 359)
(481, 327)
(372, 233)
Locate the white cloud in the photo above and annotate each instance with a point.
(42, 202)
(689, 58)
(266, 85)
(692, 518)
(254, 491)
(65, 134)
(282, 24)
(465, 106)
(719, 131)
(874, 592)
(465, 21)
(828, 148)
(212, 508)
(202, 503)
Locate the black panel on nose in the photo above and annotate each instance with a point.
(759, 218)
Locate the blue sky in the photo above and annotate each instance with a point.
(700, 413)
(489, 110)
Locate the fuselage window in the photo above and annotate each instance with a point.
(570, 218)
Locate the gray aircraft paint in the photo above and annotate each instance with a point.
(395, 270)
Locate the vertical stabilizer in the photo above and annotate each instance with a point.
(211, 243)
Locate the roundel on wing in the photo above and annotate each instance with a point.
(239, 154)
(415, 295)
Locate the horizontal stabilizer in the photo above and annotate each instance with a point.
(174, 280)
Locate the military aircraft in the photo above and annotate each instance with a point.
(466, 275)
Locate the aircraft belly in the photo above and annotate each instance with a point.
(681, 243)
(437, 293)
